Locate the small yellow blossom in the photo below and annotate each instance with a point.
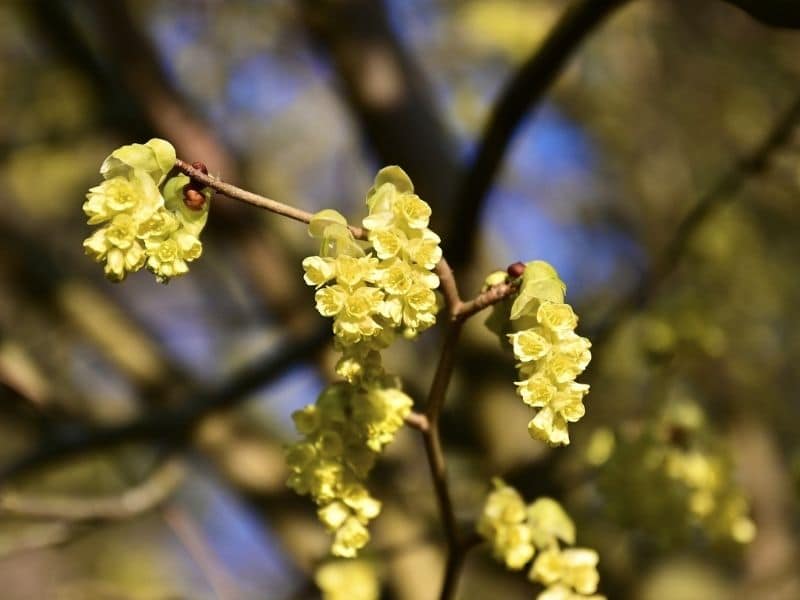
(348, 580)
(529, 345)
(343, 432)
(518, 533)
(550, 523)
(574, 568)
(167, 257)
(117, 245)
(562, 592)
(318, 270)
(502, 523)
(558, 318)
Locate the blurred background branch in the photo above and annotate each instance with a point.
(147, 495)
(520, 95)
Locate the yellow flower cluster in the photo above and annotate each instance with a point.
(348, 580)
(518, 532)
(343, 433)
(681, 457)
(372, 289)
(145, 221)
(551, 355)
(712, 498)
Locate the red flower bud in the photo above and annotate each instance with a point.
(516, 269)
(192, 198)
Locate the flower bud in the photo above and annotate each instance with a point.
(516, 269)
(192, 198)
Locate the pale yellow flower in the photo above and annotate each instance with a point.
(348, 580)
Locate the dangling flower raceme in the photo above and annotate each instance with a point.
(550, 354)
(343, 433)
(145, 221)
(518, 533)
(371, 289)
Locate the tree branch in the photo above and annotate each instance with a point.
(519, 97)
(435, 453)
(457, 312)
(40, 535)
(495, 294)
(148, 494)
(442, 269)
(428, 424)
(776, 13)
(173, 424)
(237, 193)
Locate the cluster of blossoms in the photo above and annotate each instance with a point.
(343, 433)
(385, 284)
(144, 217)
(550, 354)
(348, 580)
(372, 289)
(518, 532)
(678, 455)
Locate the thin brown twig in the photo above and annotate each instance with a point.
(435, 453)
(495, 294)
(449, 288)
(457, 309)
(237, 193)
(442, 269)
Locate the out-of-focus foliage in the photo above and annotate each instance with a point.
(678, 454)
